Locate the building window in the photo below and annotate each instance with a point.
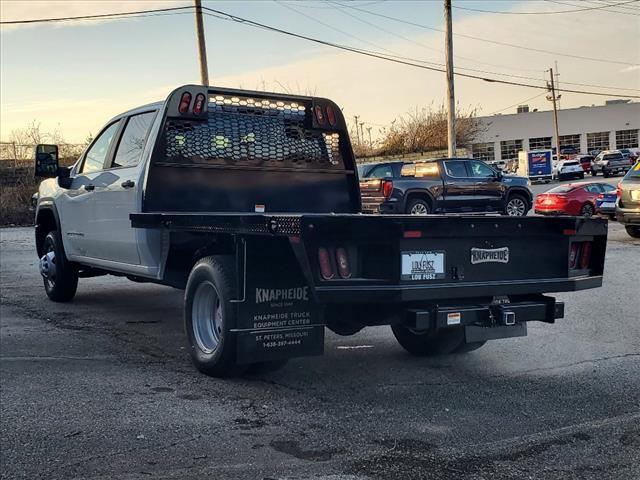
(483, 151)
(541, 143)
(597, 141)
(509, 149)
(627, 139)
(569, 141)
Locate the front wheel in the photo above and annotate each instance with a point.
(633, 230)
(209, 318)
(59, 275)
(581, 176)
(593, 173)
(605, 174)
(423, 343)
(417, 206)
(516, 206)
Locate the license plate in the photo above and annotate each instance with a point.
(635, 195)
(608, 205)
(422, 265)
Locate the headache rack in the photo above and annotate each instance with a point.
(269, 146)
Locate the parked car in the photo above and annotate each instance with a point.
(577, 199)
(585, 162)
(629, 153)
(567, 169)
(628, 205)
(196, 193)
(606, 201)
(446, 185)
(380, 170)
(610, 162)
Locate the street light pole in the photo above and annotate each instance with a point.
(451, 111)
(202, 48)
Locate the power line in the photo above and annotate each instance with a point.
(456, 56)
(502, 12)
(592, 3)
(244, 21)
(494, 42)
(517, 104)
(94, 17)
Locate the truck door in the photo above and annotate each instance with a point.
(76, 206)
(459, 186)
(117, 194)
(489, 190)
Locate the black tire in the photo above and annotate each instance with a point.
(428, 344)
(594, 173)
(516, 200)
(605, 174)
(61, 279)
(633, 230)
(587, 210)
(212, 344)
(581, 176)
(418, 204)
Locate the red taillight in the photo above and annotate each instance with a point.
(198, 105)
(185, 101)
(326, 268)
(573, 255)
(387, 188)
(585, 255)
(319, 115)
(619, 190)
(412, 234)
(342, 259)
(331, 115)
(600, 196)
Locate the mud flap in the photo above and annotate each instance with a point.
(277, 315)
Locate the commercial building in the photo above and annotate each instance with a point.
(610, 126)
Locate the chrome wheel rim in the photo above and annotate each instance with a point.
(206, 317)
(587, 211)
(419, 209)
(516, 207)
(48, 268)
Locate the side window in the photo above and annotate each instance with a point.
(606, 187)
(479, 169)
(381, 171)
(133, 140)
(97, 154)
(592, 189)
(456, 168)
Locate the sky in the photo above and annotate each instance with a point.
(74, 76)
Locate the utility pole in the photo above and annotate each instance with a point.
(557, 82)
(202, 48)
(362, 132)
(451, 112)
(553, 98)
(370, 142)
(357, 130)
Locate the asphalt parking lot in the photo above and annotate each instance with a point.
(103, 388)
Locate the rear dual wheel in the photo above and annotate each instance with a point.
(424, 343)
(210, 318)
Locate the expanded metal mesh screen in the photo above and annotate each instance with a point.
(245, 131)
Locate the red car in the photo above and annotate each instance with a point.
(570, 199)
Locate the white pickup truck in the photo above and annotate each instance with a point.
(249, 201)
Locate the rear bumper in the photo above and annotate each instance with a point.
(540, 211)
(381, 206)
(412, 293)
(628, 216)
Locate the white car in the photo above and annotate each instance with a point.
(567, 169)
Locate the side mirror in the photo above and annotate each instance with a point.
(499, 175)
(46, 161)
